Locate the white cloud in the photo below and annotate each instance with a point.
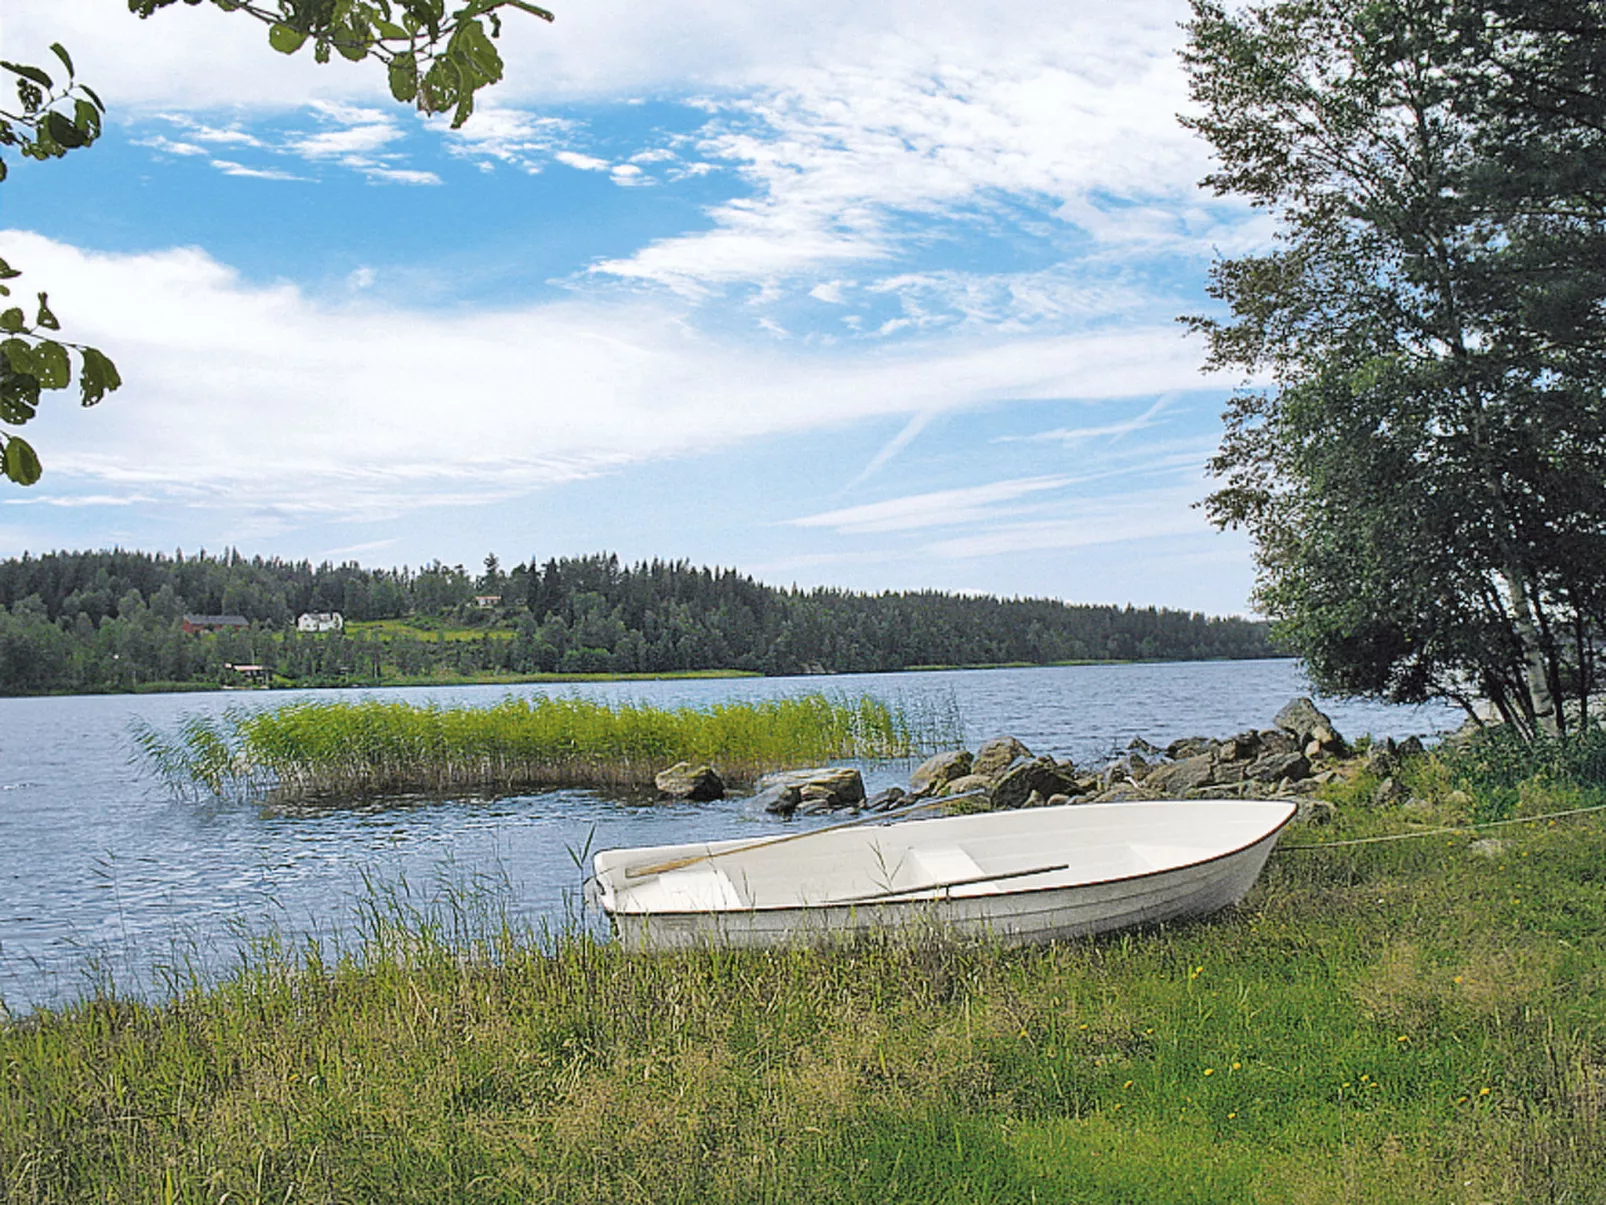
(584, 163)
(167, 146)
(910, 432)
(1074, 118)
(519, 139)
(1070, 436)
(201, 132)
(339, 144)
(398, 175)
(1110, 520)
(939, 508)
(253, 396)
(230, 168)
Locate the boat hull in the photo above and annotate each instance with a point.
(1032, 913)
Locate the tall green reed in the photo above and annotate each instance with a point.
(312, 750)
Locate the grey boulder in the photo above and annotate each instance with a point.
(686, 781)
(824, 788)
(998, 755)
(934, 773)
(1043, 775)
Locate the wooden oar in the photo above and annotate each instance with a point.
(981, 878)
(641, 872)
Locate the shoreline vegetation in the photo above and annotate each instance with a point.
(120, 621)
(310, 751)
(201, 686)
(1409, 1022)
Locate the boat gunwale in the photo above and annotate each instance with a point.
(902, 900)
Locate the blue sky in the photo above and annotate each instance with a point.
(878, 299)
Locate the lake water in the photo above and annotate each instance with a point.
(104, 877)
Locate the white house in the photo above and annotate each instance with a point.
(321, 621)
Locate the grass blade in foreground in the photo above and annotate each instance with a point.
(1404, 1024)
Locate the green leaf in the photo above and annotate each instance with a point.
(99, 376)
(87, 118)
(46, 319)
(27, 72)
(389, 29)
(285, 39)
(532, 9)
(18, 355)
(90, 92)
(61, 53)
(16, 407)
(12, 320)
(65, 134)
(7, 272)
(21, 463)
(404, 78)
(52, 366)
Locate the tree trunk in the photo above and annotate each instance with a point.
(1546, 711)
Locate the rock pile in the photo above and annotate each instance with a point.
(1293, 758)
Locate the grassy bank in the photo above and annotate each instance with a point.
(1414, 1022)
(349, 749)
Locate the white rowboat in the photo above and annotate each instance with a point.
(1032, 875)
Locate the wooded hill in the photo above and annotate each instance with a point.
(88, 621)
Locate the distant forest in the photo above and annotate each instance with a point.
(99, 621)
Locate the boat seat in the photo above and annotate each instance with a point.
(701, 888)
(935, 865)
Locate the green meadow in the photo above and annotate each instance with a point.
(1414, 1021)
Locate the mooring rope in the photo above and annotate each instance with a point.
(1439, 832)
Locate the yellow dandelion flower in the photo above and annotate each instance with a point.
(1230, 1116)
(1461, 1100)
(1458, 979)
(1128, 1084)
(1236, 1066)
(1210, 1070)
(1483, 1091)
(1403, 1038)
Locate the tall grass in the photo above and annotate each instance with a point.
(1500, 767)
(1411, 1023)
(347, 749)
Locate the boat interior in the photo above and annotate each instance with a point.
(951, 857)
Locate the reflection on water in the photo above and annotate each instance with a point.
(104, 876)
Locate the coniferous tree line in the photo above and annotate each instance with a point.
(112, 620)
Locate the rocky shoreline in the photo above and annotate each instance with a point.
(1295, 757)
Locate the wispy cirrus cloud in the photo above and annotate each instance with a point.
(344, 397)
(938, 508)
(1070, 436)
(1125, 518)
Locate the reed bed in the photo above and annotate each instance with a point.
(1412, 1023)
(332, 750)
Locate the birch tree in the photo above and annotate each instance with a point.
(1419, 450)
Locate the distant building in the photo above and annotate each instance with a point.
(321, 621)
(484, 601)
(214, 623)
